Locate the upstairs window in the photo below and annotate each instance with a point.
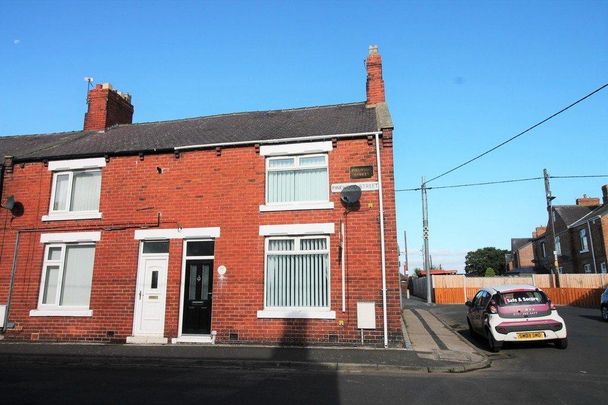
(75, 189)
(543, 249)
(297, 179)
(583, 239)
(558, 246)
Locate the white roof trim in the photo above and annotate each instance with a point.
(75, 164)
(177, 233)
(295, 148)
(70, 237)
(297, 229)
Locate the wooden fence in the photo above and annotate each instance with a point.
(581, 290)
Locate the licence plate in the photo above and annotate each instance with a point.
(530, 335)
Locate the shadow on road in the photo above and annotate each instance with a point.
(593, 317)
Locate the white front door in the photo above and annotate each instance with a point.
(149, 318)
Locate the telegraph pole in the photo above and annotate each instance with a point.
(550, 199)
(425, 236)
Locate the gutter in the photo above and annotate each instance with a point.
(382, 245)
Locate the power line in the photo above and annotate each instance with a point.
(487, 183)
(521, 133)
(578, 177)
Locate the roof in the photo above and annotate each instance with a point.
(598, 212)
(246, 127)
(571, 213)
(517, 243)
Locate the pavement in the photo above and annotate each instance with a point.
(430, 347)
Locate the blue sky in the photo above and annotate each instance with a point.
(461, 76)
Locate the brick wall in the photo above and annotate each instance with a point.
(202, 189)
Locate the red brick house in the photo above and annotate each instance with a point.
(226, 228)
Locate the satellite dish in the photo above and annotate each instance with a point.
(350, 194)
(10, 203)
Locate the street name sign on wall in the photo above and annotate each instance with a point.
(361, 172)
(364, 186)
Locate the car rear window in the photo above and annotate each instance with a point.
(521, 298)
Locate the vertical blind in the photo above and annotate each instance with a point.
(297, 179)
(77, 191)
(85, 191)
(297, 277)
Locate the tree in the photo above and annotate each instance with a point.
(490, 272)
(478, 261)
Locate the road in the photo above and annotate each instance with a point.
(532, 374)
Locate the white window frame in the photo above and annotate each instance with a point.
(55, 309)
(70, 167)
(543, 249)
(582, 235)
(558, 246)
(298, 312)
(296, 205)
(603, 269)
(587, 268)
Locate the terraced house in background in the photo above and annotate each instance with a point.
(226, 228)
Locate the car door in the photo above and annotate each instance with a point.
(474, 310)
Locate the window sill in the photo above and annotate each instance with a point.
(296, 313)
(67, 216)
(584, 251)
(297, 206)
(62, 312)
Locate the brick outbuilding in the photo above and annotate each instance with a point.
(227, 228)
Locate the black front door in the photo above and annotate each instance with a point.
(197, 297)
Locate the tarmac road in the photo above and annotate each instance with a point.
(532, 374)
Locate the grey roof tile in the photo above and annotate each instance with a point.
(227, 128)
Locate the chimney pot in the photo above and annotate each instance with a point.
(605, 194)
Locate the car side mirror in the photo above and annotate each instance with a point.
(469, 304)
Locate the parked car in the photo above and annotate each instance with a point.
(604, 305)
(515, 313)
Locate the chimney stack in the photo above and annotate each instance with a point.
(375, 83)
(538, 232)
(107, 107)
(585, 201)
(605, 194)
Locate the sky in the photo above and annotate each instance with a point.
(460, 77)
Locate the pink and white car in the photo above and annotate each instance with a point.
(515, 313)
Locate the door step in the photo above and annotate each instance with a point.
(194, 339)
(147, 340)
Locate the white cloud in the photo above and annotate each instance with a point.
(16, 41)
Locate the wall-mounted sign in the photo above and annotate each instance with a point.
(361, 172)
(364, 186)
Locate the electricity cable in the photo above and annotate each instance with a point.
(487, 183)
(521, 133)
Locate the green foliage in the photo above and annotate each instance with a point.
(490, 272)
(478, 261)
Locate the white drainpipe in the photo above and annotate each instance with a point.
(382, 247)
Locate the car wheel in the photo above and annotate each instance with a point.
(605, 313)
(561, 343)
(492, 343)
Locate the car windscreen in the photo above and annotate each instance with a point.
(521, 298)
